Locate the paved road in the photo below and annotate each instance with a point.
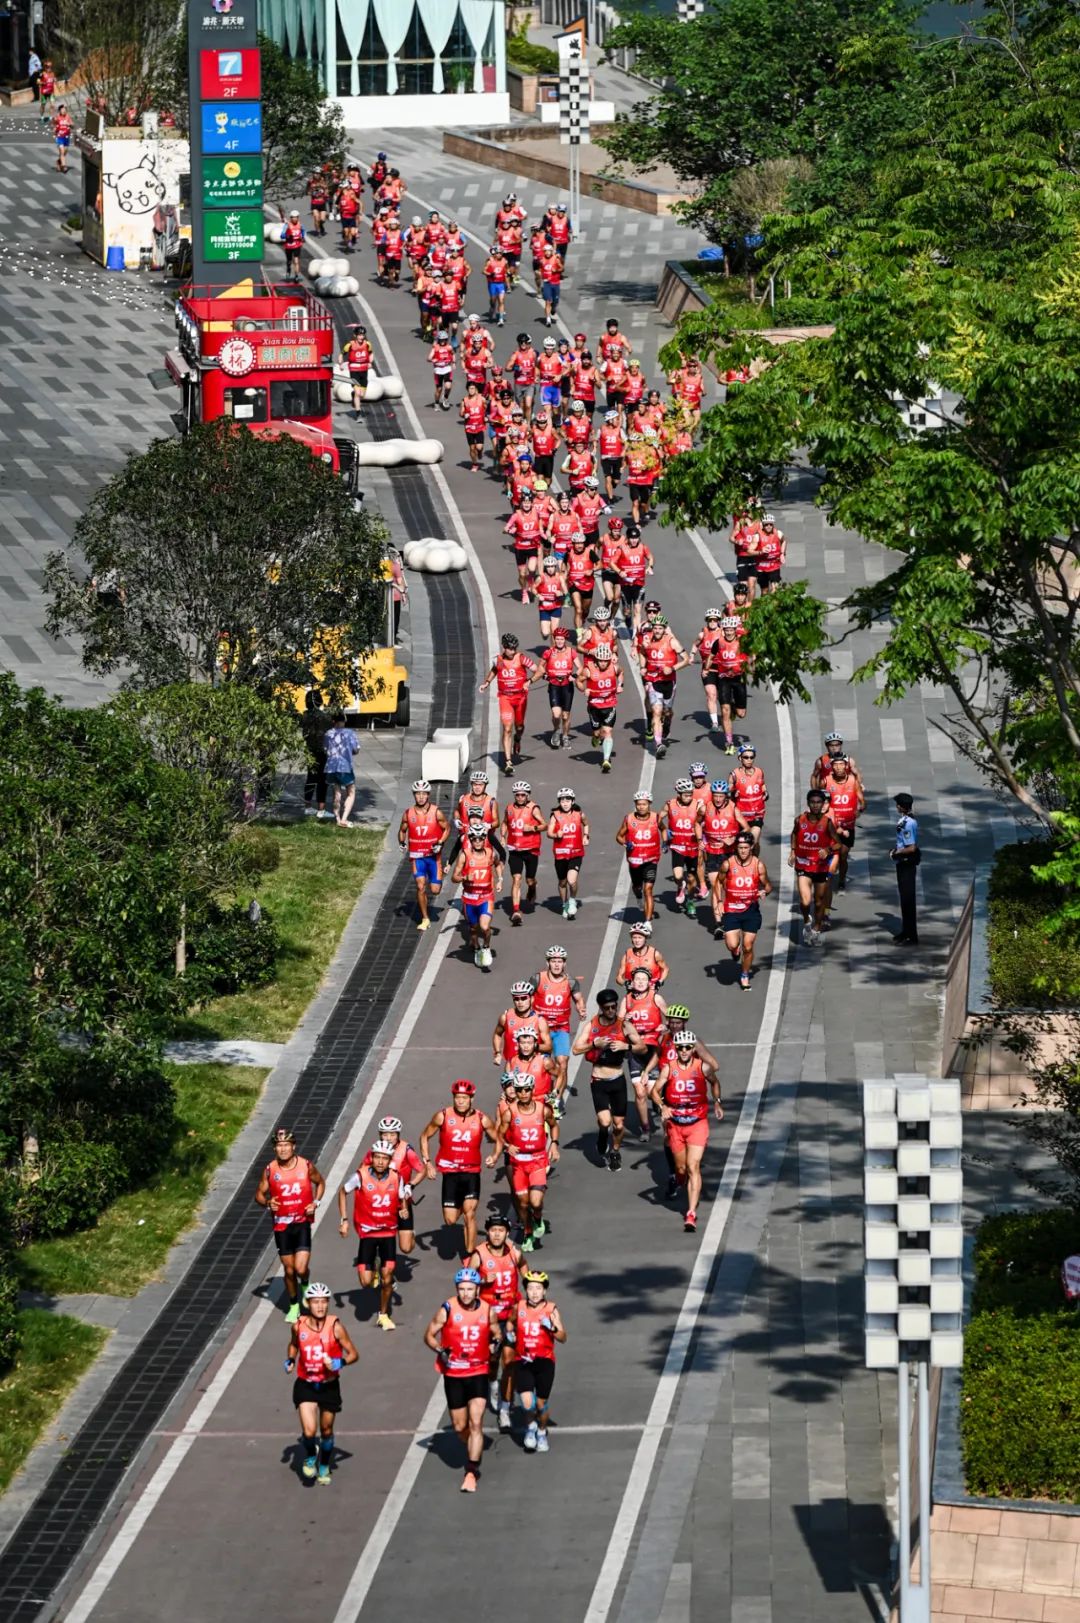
(767, 1493)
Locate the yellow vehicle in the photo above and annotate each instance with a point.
(380, 683)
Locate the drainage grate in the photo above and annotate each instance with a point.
(48, 1540)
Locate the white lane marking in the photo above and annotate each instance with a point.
(144, 1506)
(397, 1431)
(696, 1292)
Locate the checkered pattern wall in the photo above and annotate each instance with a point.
(913, 1189)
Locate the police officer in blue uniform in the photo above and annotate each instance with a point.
(906, 857)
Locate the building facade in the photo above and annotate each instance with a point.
(400, 63)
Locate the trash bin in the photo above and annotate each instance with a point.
(114, 259)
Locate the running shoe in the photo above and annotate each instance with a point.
(605, 766)
(672, 1188)
(515, 917)
(566, 910)
(293, 1314)
(540, 1230)
(542, 1444)
(614, 1161)
(661, 750)
(478, 958)
(425, 924)
(324, 1476)
(493, 1396)
(571, 908)
(468, 1482)
(680, 896)
(530, 1438)
(744, 981)
(691, 910)
(729, 747)
(527, 1243)
(485, 958)
(718, 932)
(504, 1417)
(385, 1322)
(690, 1223)
(310, 1466)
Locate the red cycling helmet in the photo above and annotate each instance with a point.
(463, 1085)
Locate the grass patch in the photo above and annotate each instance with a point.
(529, 57)
(128, 1244)
(1029, 966)
(55, 1352)
(731, 292)
(1020, 1405)
(309, 895)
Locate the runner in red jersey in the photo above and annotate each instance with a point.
(557, 992)
(846, 804)
(721, 821)
(511, 671)
(750, 791)
(479, 872)
(465, 1335)
(590, 507)
(634, 562)
(642, 954)
(732, 665)
(499, 1264)
(601, 680)
(612, 449)
(348, 208)
(639, 832)
(532, 1063)
(523, 826)
(581, 562)
(688, 386)
(497, 274)
(473, 412)
(643, 1009)
(526, 532)
(522, 368)
(745, 533)
(577, 428)
(443, 360)
(477, 352)
(531, 1135)
(477, 805)
(705, 650)
(457, 1159)
(662, 656)
(318, 1347)
(681, 1093)
(606, 1045)
(378, 1192)
(557, 667)
(291, 1188)
(680, 824)
(535, 1325)
(611, 543)
(405, 1161)
(522, 1014)
(814, 855)
(568, 831)
(551, 594)
(771, 553)
(742, 879)
(834, 748)
(545, 443)
(422, 833)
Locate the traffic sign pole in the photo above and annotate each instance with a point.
(225, 132)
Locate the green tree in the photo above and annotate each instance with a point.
(95, 872)
(120, 53)
(755, 80)
(960, 284)
(301, 130)
(223, 557)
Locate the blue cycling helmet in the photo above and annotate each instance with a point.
(719, 785)
(467, 1276)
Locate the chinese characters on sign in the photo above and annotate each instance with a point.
(231, 126)
(228, 181)
(288, 355)
(237, 234)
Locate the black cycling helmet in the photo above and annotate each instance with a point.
(509, 640)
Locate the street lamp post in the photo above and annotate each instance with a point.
(914, 1238)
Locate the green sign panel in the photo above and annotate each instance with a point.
(233, 234)
(229, 180)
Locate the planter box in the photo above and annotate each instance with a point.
(991, 1076)
(495, 149)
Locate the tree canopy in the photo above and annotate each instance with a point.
(301, 130)
(217, 558)
(956, 285)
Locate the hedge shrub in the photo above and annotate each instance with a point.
(527, 57)
(9, 1318)
(1020, 1406)
(230, 952)
(1026, 961)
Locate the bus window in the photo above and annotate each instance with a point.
(299, 398)
(245, 405)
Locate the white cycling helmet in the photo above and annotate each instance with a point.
(556, 952)
(421, 787)
(522, 989)
(382, 1147)
(643, 794)
(522, 788)
(565, 793)
(683, 786)
(642, 927)
(729, 622)
(317, 1289)
(698, 769)
(390, 1124)
(684, 1038)
(478, 777)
